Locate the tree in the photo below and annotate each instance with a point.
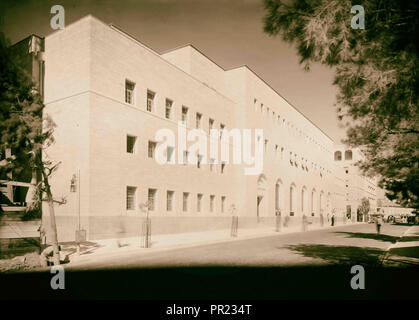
(24, 130)
(364, 208)
(376, 73)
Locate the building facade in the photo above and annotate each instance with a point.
(110, 96)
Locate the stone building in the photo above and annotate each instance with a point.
(357, 186)
(110, 96)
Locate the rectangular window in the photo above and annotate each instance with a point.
(223, 165)
(185, 115)
(151, 149)
(276, 150)
(169, 154)
(129, 91)
(198, 120)
(169, 201)
(131, 198)
(152, 199)
(169, 104)
(266, 145)
(255, 102)
(212, 203)
(185, 201)
(150, 101)
(223, 201)
(131, 144)
(198, 202)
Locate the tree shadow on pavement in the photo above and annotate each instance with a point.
(342, 255)
(410, 252)
(409, 238)
(373, 236)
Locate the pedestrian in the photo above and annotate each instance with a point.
(304, 225)
(278, 220)
(333, 219)
(378, 222)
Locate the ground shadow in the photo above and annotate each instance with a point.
(373, 236)
(409, 238)
(328, 282)
(410, 252)
(342, 255)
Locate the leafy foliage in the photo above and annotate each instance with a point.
(25, 130)
(376, 73)
(364, 208)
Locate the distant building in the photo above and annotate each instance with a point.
(390, 208)
(357, 186)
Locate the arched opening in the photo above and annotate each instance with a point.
(304, 206)
(293, 200)
(338, 156)
(348, 155)
(329, 203)
(321, 202)
(261, 201)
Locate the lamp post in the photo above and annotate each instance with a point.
(146, 226)
(75, 187)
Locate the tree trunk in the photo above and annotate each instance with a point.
(54, 237)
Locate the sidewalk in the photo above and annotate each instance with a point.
(405, 252)
(109, 247)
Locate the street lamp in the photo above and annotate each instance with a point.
(80, 234)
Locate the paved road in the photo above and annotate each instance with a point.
(310, 265)
(355, 244)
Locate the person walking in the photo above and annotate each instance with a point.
(378, 223)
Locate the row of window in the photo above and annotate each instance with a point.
(303, 199)
(132, 148)
(131, 200)
(168, 113)
(299, 133)
(131, 140)
(348, 155)
(294, 160)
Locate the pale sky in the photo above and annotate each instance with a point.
(230, 32)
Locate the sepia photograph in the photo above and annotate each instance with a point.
(209, 155)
